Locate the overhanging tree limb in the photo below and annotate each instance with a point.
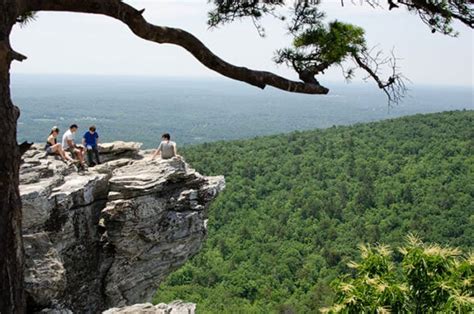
(162, 35)
(457, 9)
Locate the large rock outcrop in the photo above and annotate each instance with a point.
(107, 236)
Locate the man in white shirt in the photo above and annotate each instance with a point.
(70, 146)
(167, 148)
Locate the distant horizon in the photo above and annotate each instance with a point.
(197, 110)
(221, 78)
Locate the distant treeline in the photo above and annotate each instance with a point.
(297, 206)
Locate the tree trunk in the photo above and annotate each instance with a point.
(12, 296)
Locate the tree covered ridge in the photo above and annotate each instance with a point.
(296, 207)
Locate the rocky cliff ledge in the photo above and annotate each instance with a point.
(106, 237)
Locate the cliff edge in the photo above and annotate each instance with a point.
(107, 236)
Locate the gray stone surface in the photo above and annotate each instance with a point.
(45, 277)
(176, 307)
(119, 149)
(107, 236)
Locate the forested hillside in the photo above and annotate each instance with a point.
(296, 207)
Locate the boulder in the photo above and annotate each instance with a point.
(118, 149)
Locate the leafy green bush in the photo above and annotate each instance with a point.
(428, 279)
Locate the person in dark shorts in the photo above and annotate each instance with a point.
(52, 146)
(70, 146)
(90, 141)
(167, 148)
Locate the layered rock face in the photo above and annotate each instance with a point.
(176, 307)
(107, 236)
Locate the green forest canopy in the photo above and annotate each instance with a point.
(297, 206)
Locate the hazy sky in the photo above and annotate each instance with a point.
(86, 44)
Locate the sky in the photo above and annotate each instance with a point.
(71, 43)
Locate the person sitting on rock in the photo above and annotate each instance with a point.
(70, 146)
(167, 148)
(52, 146)
(90, 141)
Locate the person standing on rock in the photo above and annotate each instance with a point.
(90, 141)
(52, 146)
(69, 145)
(167, 148)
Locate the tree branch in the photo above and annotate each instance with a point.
(24, 147)
(162, 35)
(394, 87)
(438, 8)
(17, 56)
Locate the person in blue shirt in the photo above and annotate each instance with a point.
(90, 141)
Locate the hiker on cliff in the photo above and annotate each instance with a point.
(167, 148)
(70, 146)
(52, 146)
(90, 141)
